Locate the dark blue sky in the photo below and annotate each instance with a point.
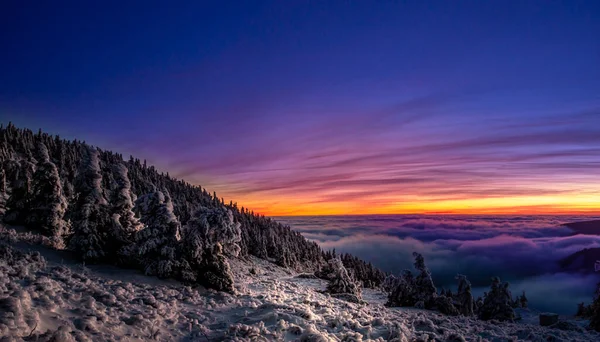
(324, 106)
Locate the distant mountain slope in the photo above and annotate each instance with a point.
(582, 261)
(585, 227)
(124, 212)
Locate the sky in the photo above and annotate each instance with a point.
(325, 107)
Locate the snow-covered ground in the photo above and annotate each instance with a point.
(46, 297)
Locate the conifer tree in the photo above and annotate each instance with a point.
(124, 223)
(497, 303)
(18, 202)
(204, 238)
(341, 282)
(3, 194)
(464, 296)
(47, 202)
(91, 215)
(524, 301)
(403, 290)
(156, 244)
(425, 288)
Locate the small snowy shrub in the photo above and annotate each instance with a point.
(497, 304)
(408, 290)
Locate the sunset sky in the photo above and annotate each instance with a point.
(325, 107)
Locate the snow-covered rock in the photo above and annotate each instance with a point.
(547, 319)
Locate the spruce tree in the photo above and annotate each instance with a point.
(91, 215)
(17, 205)
(402, 290)
(156, 245)
(425, 289)
(464, 296)
(47, 202)
(497, 303)
(341, 282)
(3, 194)
(124, 223)
(210, 236)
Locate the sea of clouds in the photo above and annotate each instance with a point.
(522, 250)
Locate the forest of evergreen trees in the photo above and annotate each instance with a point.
(124, 212)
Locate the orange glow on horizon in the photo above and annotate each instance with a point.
(283, 194)
(518, 205)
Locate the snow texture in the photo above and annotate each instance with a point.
(55, 299)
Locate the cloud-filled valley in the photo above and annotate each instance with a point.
(522, 250)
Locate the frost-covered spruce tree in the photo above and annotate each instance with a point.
(216, 225)
(478, 305)
(156, 245)
(464, 296)
(497, 303)
(209, 236)
(47, 202)
(17, 205)
(445, 305)
(389, 283)
(341, 282)
(403, 293)
(523, 300)
(410, 290)
(124, 223)
(424, 288)
(216, 271)
(3, 194)
(91, 215)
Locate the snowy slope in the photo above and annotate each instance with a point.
(47, 296)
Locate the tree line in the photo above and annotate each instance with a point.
(107, 209)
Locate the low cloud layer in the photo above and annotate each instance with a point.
(522, 250)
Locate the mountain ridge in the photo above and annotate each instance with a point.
(591, 227)
(97, 203)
